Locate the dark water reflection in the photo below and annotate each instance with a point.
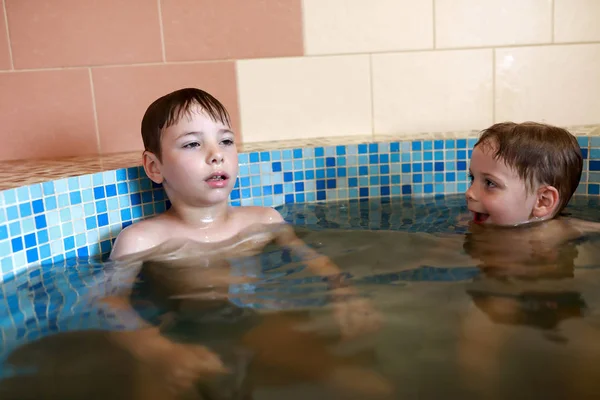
(467, 313)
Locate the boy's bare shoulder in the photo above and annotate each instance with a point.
(139, 237)
(259, 215)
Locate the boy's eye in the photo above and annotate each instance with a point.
(191, 145)
(489, 183)
(227, 142)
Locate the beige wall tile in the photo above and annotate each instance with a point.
(297, 98)
(229, 29)
(474, 23)
(46, 114)
(124, 93)
(555, 84)
(57, 33)
(576, 20)
(4, 49)
(432, 91)
(351, 26)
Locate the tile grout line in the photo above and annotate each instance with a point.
(94, 108)
(552, 21)
(162, 32)
(434, 22)
(423, 50)
(493, 86)
(10, 53)
(372, 96)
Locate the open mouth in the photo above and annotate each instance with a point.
(480, 218)
(217, 177)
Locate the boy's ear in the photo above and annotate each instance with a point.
(547, 202)
(152, 167)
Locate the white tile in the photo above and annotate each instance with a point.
(553, 84)
(576, 20)
(303, 97)
(351, 26)
(474, 23)
(432, 91)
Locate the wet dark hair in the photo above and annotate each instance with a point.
(540, 153)
(170, 108)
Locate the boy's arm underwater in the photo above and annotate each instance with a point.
(355, 314)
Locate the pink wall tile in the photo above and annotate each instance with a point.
(229, 29)
(46, 114)
(54, 33)
(4, 52)
(124, 93)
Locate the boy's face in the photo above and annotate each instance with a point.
(199, 160)
(497, 194)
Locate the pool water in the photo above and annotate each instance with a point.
(497, 314)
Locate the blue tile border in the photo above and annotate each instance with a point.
(81, 216)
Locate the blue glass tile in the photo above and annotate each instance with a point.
(331, 184)
(417, 178)
(288, 177)
(321, 195)
(299, 186)
(427, 167)
(38, 206)
(417, 167)
(48, 188)
(289, 198)
(12, 213)
(395, 179)
(341, 172)
(330, 173)
(309, 174)
(439, 177)
(75, 197)
(235, 194)
(42, 236)
(146, 198)
(23, 194)
(17, 244)
(352, 182)
(373, 180)
(102, 219)
(373, 148)
(50, 203)
(24, 210)
(28, 225)
(132, 173)
(416, 146)
(406, 189)
(340, 150)
(584, 153)
(593, 188)
(450, 176)
(439, 166)
(30, 240)
(256, 192)
(384, 180)
(3, 232)
(297, 153)
(125, 214)
(278, 189)
(254, 169)
(594, 165)
(267, 190)
(298, 175)
(243, 158)
(246, 193)
(32, 255)
(394, 147)
(265, 156)
(276, 166)
(385, 191)
(363, 170)
(461, 166)
(90, 223)
(40, 222)
(362, 149)
(254, 157)
(363, 192)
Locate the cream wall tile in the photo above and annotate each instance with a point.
(555, 84)
(303, 97)
(351, 26)
(576, 20)
(474, 23)
(432, 91)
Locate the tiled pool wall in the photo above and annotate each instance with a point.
(81, 216)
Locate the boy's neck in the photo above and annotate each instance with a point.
(200, 217)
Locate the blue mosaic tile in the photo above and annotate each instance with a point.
(81, 216)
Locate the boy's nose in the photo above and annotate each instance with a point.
(215, 156)
(470, 194)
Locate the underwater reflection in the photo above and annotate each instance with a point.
(188, 336)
